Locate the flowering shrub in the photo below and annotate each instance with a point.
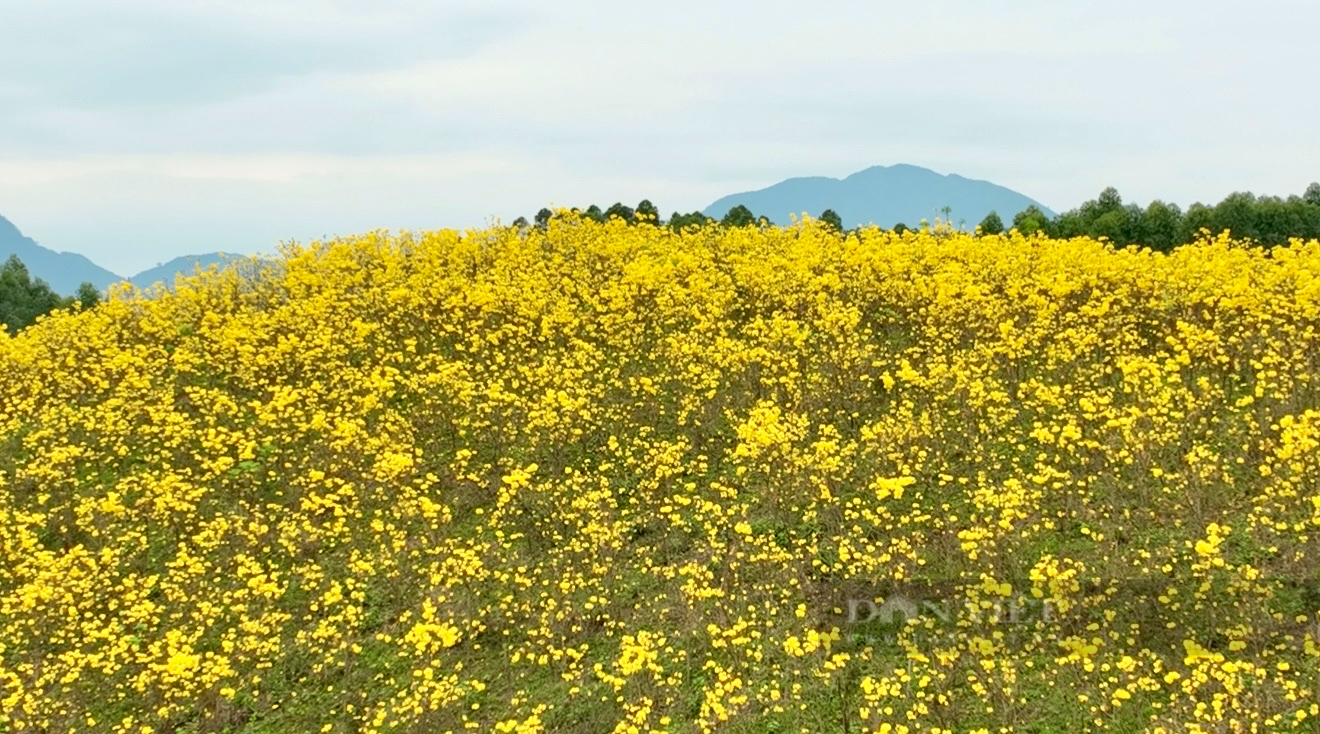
(596, 477)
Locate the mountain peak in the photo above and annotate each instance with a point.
(62, 271)
(65, 271)
(882, 195)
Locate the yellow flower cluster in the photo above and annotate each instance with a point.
(597, 477)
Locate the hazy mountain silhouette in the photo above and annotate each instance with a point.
(883, 195)
(63, 271)
(184, 265)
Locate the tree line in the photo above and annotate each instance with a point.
(1265, 220)
(24, 298)
(645, 211)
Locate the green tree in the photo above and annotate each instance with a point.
(832, 218)
(1108, 201)
(1068, 224)
(1161, 226)
(1031, 220)
(543, 217)
(618, 209)
(1104, 216)
(1122, 226)
(88, 296)
(900, 228)
(992, 224)
(1307, 210)
(1198, 217)
(646, 212)
(594, 213)
(1277, 220)
(679, 222)
(1237, 214)
(24, 298)
(739, 216)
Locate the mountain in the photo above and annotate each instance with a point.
(63, 271)
(184, 265)
(883, 195)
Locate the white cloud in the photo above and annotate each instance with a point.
(413, 113)
(272, 168)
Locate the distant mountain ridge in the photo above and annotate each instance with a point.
(65, 271)
(185, 265)
(882, 195)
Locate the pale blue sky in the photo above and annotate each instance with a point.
(136, 131)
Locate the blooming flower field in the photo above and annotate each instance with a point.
(604, 478)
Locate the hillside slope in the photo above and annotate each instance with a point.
(606, 478)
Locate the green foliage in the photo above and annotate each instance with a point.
(1104, 216)
(1161, 226)
(1267, 220)
(679, 222)
(1032, 220)
(739, 216)
(646, 212)
(830, 217)
(24, 298)
(621, 211)
(87, 295)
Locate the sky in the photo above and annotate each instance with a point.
(134, 132)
